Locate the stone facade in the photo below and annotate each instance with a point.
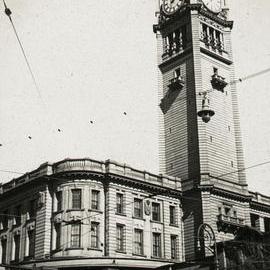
(95, 213)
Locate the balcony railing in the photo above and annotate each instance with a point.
(218, 82)
(229, 224)
(176, 83)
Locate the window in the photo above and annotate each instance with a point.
(138, 242)
(76, 198)
(120, 230)
(4, 250)
(57, 236)
(75, 235)
(177, 73)
(32, 208)
(94, 235)
(119, 203)
(17, 242)
(95, 200)
(155, 211)
(157, 245)
(254, 219)
(174, 246)
(227, 211)
(267, 225)
(138, 208)
(18, 213)
(59, 201)
(4, 219)
(173, 220)
(31, 239)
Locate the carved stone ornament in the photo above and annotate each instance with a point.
(147, 207)
(3, 237)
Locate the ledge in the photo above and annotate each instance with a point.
(74, 248)
(156, 221)
(119, 214)
(139, 218)
(96, 249)
(121, 251)
(139, 255)
(174, 225)
(79, 209)
(95, 210)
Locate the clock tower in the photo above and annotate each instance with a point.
(200, 139)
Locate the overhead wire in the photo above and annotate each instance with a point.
(8, 13)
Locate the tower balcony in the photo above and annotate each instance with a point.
(177, 83)
(218, 82)
(229, 224)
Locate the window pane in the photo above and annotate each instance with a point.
(156, 211)
(4, 250)
(95, 200)
(59, 200)
(156, 244)
(58, 236)
(18, 215)
(120, 237)
(119, 203)
(75, 235)
(17, 242)
(173, 215)
(94, 235)
(138, 242)
(76, 198)
(138, 208)
(32, 208)
(31, 237)
(174, 246)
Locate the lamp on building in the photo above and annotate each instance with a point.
(205, 113)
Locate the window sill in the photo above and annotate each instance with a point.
(156, 221)
(174, 225)
(74, 248)
(56, 250)
(58, 212)
(156, 257)
(140, 218)
(28, 258)
(121, 214)
(75, 209)
(121, 251)
(95, 210)
(139, 255)
(96, 249)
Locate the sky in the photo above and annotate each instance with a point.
(96, 61)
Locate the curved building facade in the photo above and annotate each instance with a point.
(87, 214)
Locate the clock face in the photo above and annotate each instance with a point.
(170, 6)
(213, 5)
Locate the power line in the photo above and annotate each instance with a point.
(8, 13)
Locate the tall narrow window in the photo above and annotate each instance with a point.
(267, 225)
(31, 239)
(4, 250)
(17, 242)
(4, 219)
(59, 200)
(173, 220)
(155, 211)
(32, 208)
(184, 36)
(76, 198)
(138, 208)
(94, 235)
(138, 242)
(177, 73)
(57, 227)
(174, 246)
(18, 213)
(157, 245)
(120, 230)
(95, 200)
(255, 221)
(119, 203)
(75, 236)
